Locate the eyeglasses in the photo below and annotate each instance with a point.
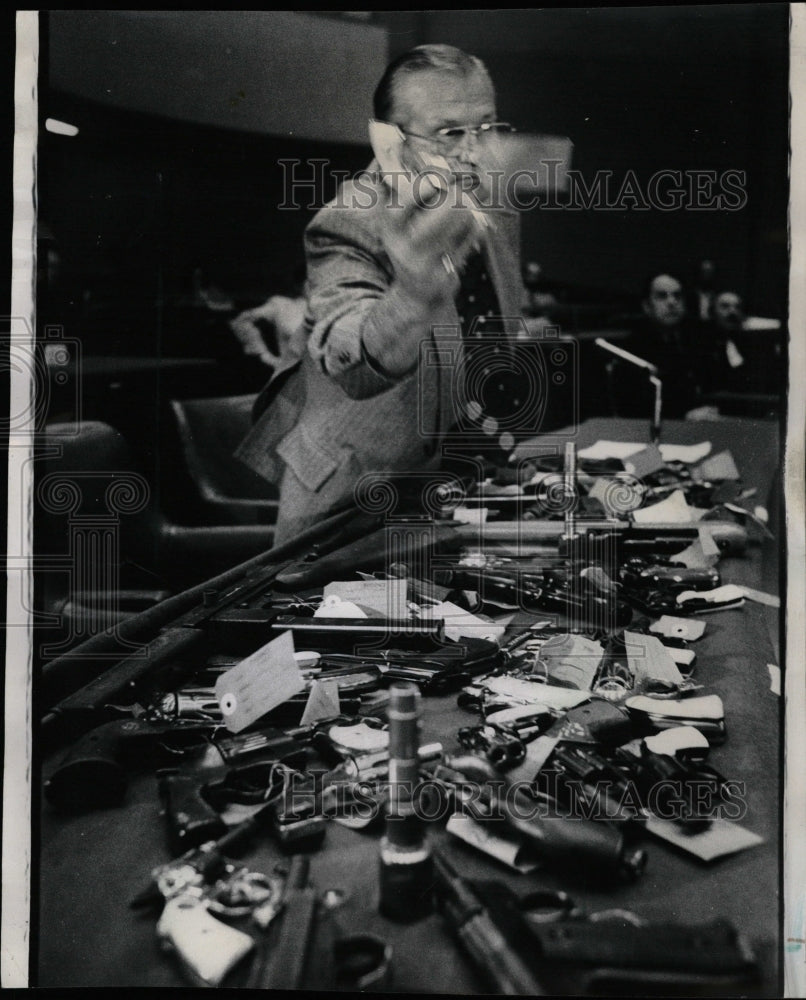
(453, 135)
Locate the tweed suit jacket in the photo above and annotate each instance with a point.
(336, 406)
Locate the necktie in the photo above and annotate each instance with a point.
(489, 389)
(476, 298)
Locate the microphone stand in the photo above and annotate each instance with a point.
(654, 378)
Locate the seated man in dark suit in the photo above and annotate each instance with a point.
(742, 361)
(665, 338)
(375, 390)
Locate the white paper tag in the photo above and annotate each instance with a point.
(462, 624)
(719, 467)
(678, 628)
(387, 597)
(678, 738)
(735, 359)
(673, 510)
(503, 848)
(775, 678)
(649, 659)
(705, 706)
(611, 449)
(729, 593)
(719, 839)
(682, 657)
(760, 597)
(359, 738)
(333, 606)
(533, 693)
(644, 462)
(323, 702)
(572, 660)
(611, 493)
(261, 682)
(686, 453)
(702, 553)
(471, 515)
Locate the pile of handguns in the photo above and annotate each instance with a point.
(569, 643)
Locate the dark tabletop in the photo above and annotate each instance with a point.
(90, 865)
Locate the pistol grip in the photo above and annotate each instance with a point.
(91, 775)
(191, 820)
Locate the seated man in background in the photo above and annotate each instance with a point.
(389, 270)
(666, 339)
(727, 322)
(742, 362)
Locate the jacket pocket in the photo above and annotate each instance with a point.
(309, 462)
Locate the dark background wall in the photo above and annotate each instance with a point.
(646, 88)
(174, 176)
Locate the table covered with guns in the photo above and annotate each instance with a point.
(524, 741)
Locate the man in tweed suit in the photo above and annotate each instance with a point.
(384, 266)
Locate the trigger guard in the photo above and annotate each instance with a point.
(545, 907)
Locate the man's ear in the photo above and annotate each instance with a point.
(645, 307)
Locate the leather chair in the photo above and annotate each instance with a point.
(103, 547)
(227, 492)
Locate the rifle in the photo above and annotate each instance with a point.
(423, 538)
(169, 639)
(341, 544)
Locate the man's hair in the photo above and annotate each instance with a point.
(646, 288)
(729, 291)
(437, 57)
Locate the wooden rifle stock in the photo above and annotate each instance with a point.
(164, 636)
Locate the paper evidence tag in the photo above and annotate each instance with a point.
(460, 623)
(680, 657)
(702, 553)
(678, 628)
(649, 659)
(572, 660)
(644, 462)
(359, 738)
(323, 702)
(730, 595)
(720, 838)
(686, 453)
(387, 597)
(533, 693)
(471, 515)
(720, 467)
(261, 682)
(673, 510)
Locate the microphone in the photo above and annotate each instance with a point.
(654, 378)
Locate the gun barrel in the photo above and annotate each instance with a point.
(481, 939)
(283, 966)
